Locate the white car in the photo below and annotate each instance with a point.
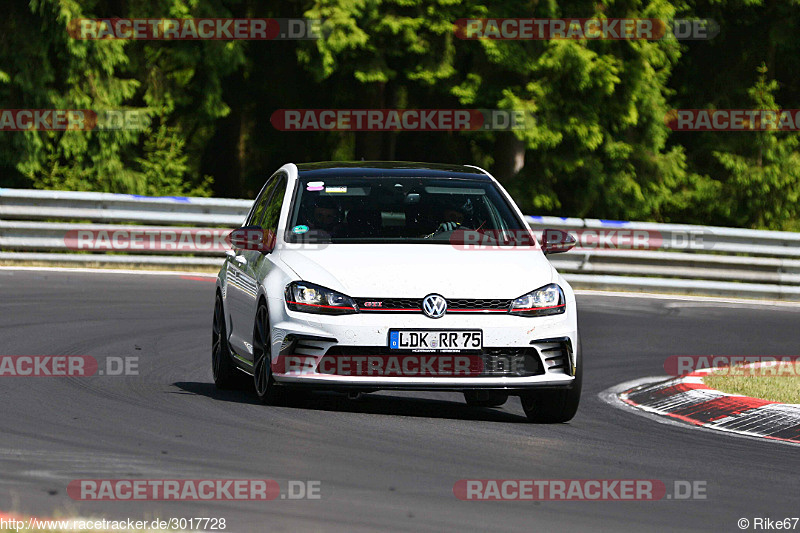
(407, 276)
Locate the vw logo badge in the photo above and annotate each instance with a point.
(434, 306)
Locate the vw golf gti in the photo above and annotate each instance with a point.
(408, 276)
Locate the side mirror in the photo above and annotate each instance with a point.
(555, 241)
(253, 238)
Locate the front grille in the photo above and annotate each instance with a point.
(464, 305)
(414, 305)
(488, 362)
(366, 305)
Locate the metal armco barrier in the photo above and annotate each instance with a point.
(617, 255)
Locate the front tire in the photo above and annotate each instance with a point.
(554, 406)
(222, 367)
(267, 391)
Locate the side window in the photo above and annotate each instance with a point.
(272, 212)
(259, 206)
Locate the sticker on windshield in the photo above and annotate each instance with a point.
(297, 230)
(330, 190)
(315, 185)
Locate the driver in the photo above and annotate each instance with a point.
(452, 218)
(326, 216)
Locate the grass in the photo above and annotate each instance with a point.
(777, 385)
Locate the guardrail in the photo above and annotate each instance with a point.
(24, 204)
(611, 255)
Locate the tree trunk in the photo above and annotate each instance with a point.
(509, 156)
(377, 145)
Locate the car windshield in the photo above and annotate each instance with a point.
(419, 210)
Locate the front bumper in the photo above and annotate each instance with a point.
(550, 344)
(319, 381)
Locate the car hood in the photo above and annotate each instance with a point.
(416, 270)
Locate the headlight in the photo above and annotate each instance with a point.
(547, 300)
(310, 298)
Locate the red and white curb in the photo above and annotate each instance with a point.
(688, 399)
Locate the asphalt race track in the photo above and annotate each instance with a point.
(388, 462)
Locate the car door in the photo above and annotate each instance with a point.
(238, 285)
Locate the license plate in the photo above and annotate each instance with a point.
(421, 339)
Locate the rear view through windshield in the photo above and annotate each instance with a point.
(396, 210)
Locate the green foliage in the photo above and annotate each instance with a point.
(54, 71)
(164, 164)
(105, 75)
(762, 169)
(377, 41)
(597, 146)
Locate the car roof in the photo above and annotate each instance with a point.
(388, 169)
